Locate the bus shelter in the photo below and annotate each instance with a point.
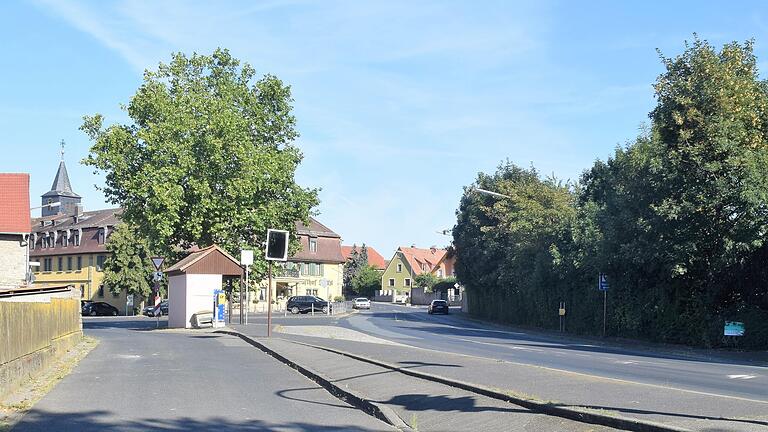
(193, 283)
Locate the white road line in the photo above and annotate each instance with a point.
(742, 377)
(501, 345)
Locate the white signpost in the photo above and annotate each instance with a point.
(246, 259)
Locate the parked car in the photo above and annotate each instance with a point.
(150, 310)
(99, 308)
(438, 306)
(304, 304)
(361, 303)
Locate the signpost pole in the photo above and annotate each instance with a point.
(269, 301)
(605, 301)
(247, 292)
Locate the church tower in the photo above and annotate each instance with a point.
(61, 192)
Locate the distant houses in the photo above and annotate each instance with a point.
(375, 259)
(409, 262)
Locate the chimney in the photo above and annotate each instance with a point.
(413, 246)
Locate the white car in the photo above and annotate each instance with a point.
(361, 303)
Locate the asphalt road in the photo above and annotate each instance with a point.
(454, 333)
(141, 379)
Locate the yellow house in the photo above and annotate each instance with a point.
(318, 263)
(69, 244)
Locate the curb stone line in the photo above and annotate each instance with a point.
(618, 422)
(381, 412)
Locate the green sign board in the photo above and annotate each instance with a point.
(734, 328)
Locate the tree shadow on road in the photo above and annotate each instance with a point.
(99, 421)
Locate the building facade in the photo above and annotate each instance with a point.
(409, 262)
(70, 244)
(14, 230)
(316, 269)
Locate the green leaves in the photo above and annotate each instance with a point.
(677, 218)
(208, 157)
(129, 266)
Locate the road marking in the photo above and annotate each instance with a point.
(501, 345)
(742, 377)
(625, 362)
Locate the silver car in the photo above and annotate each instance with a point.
(361, 303)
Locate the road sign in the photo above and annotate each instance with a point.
(158, 275)
(158, 262)
(246, 257)
(129, 300)
(733, 328)
(602, 283)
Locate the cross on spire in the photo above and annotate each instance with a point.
(62, 149)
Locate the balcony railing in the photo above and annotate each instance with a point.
(280, 271)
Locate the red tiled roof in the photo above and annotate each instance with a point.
(375, 259)
(417, 256)
(14, 203)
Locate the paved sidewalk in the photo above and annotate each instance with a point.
(423, 405)
(683, 409)
(140, 379)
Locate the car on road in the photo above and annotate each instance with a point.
(438, 306)
(361, 303)
(304, 304)
(150, 310)
(99, 308)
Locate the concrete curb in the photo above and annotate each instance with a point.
(617, 422)
(381, 412)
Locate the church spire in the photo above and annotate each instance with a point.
(61, 191)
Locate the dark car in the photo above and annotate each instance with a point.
(150, 310)
(304, 304)
(99, 308)
(438, 306)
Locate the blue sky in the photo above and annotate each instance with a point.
(399, 104)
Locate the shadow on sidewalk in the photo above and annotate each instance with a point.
(464, 404)
(663, 413)
(99, 421)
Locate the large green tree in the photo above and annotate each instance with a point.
(677, 218)
(129, 265)
(208, 156)
(366, 281)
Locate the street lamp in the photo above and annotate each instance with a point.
(487, 192)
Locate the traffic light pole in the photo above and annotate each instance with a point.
(269, 301)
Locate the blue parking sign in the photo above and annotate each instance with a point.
(602, 283)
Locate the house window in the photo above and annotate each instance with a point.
(82, 291)
(100, 262)
(313, 245)
(76, 237)
(101, 290)
(101, 236)
(48, 264)
(399, 268)
(312, 292)
(423, 267)
(61, 264)
(407, 282)
(79, 263)
(391, 282)
(69, 263)
(440, 273)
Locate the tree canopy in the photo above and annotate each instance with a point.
(677, 218)
(129, 265)
(208, 156)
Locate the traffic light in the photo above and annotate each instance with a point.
(277, 245)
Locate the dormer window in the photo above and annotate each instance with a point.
(102, 235)
(76, 238)
(312, 244)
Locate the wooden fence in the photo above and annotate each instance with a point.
(32, 334)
